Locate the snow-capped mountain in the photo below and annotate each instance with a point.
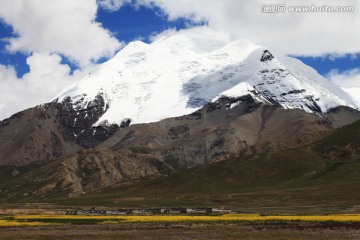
(210, 96)
(167, 78)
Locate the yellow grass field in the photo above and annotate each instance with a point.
(43, 220)
(12, 223)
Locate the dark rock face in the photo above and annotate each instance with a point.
(125, 123)
(294, 92)
(92, 137)
(266, 56)
(225, 102)
(78, 124)
(313, 105)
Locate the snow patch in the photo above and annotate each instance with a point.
(171, 77)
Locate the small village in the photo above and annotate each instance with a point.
(149, 211)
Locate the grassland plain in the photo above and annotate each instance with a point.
(184, 231)
(229, 226)
(229, 218)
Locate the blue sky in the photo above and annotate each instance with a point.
(130, 23)
(327, 63)
(46, 45)
(18, 60)
(127, 24)
(139, 23)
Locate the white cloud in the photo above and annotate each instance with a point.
(354, 92)
(46, 29)
(284, 33)
(46, 78)
(203, 39)
(112, 5)
(66, 27)
(349, 81)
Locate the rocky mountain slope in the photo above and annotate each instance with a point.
(155, 109)
(292, 176)
(320, 177)
(142, 151)
(50, 131)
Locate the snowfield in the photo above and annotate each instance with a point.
(170, 77)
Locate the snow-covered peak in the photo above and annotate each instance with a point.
(170, 77)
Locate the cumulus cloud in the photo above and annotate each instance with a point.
(65, 27)
(46, 30)
(350, 78)
(203, 39)
(300, 33)
(349, 81)
(112, 5)
(46, 78)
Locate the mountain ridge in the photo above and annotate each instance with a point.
(157, 109)
(149, 82)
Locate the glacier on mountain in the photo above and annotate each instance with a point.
(149, 82)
